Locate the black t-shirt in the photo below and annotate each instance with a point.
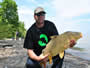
(37, 38)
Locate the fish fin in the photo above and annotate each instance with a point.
(53, 36)
(50, 59)
(43, 64)
(61, 54)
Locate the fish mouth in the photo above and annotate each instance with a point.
(81, 35)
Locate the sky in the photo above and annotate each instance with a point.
(67, 15)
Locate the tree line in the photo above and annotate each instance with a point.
(9, 20)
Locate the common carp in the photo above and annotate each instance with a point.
(59, 43)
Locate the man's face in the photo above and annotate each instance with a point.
(40, 17)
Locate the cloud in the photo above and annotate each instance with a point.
(33, 1)
(70, 8)
(82, 20)
(25, 10)
(26, 15)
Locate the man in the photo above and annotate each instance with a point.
(38, 35)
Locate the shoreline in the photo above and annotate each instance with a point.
(75, 62)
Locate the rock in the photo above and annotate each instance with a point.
(6, 43)
(74, 62)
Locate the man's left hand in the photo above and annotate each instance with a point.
(72, 43)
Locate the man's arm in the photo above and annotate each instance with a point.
(33, 56)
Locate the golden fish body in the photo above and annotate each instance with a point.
(59, 43)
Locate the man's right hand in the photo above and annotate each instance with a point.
(33, 56)
(43, 58)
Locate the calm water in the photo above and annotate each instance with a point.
(85, 54)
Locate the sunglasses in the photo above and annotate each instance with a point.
(40, 14)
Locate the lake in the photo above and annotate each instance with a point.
(85, 54)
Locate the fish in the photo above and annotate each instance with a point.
(59, 43)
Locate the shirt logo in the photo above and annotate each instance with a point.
(40, 42)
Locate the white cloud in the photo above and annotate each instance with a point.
(70, 8)
(25, 10)
(33, 1)
(44, 4)
(81, 20)
(26, 15)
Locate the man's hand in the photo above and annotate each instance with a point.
(72, 43)
(43, 58)
(33, 56)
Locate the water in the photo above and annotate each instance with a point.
(82, 54)
(85, 54)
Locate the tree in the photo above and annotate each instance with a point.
(21, 29)
(9, 14)
(9, 20)
(1, 13)
(5, 31)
